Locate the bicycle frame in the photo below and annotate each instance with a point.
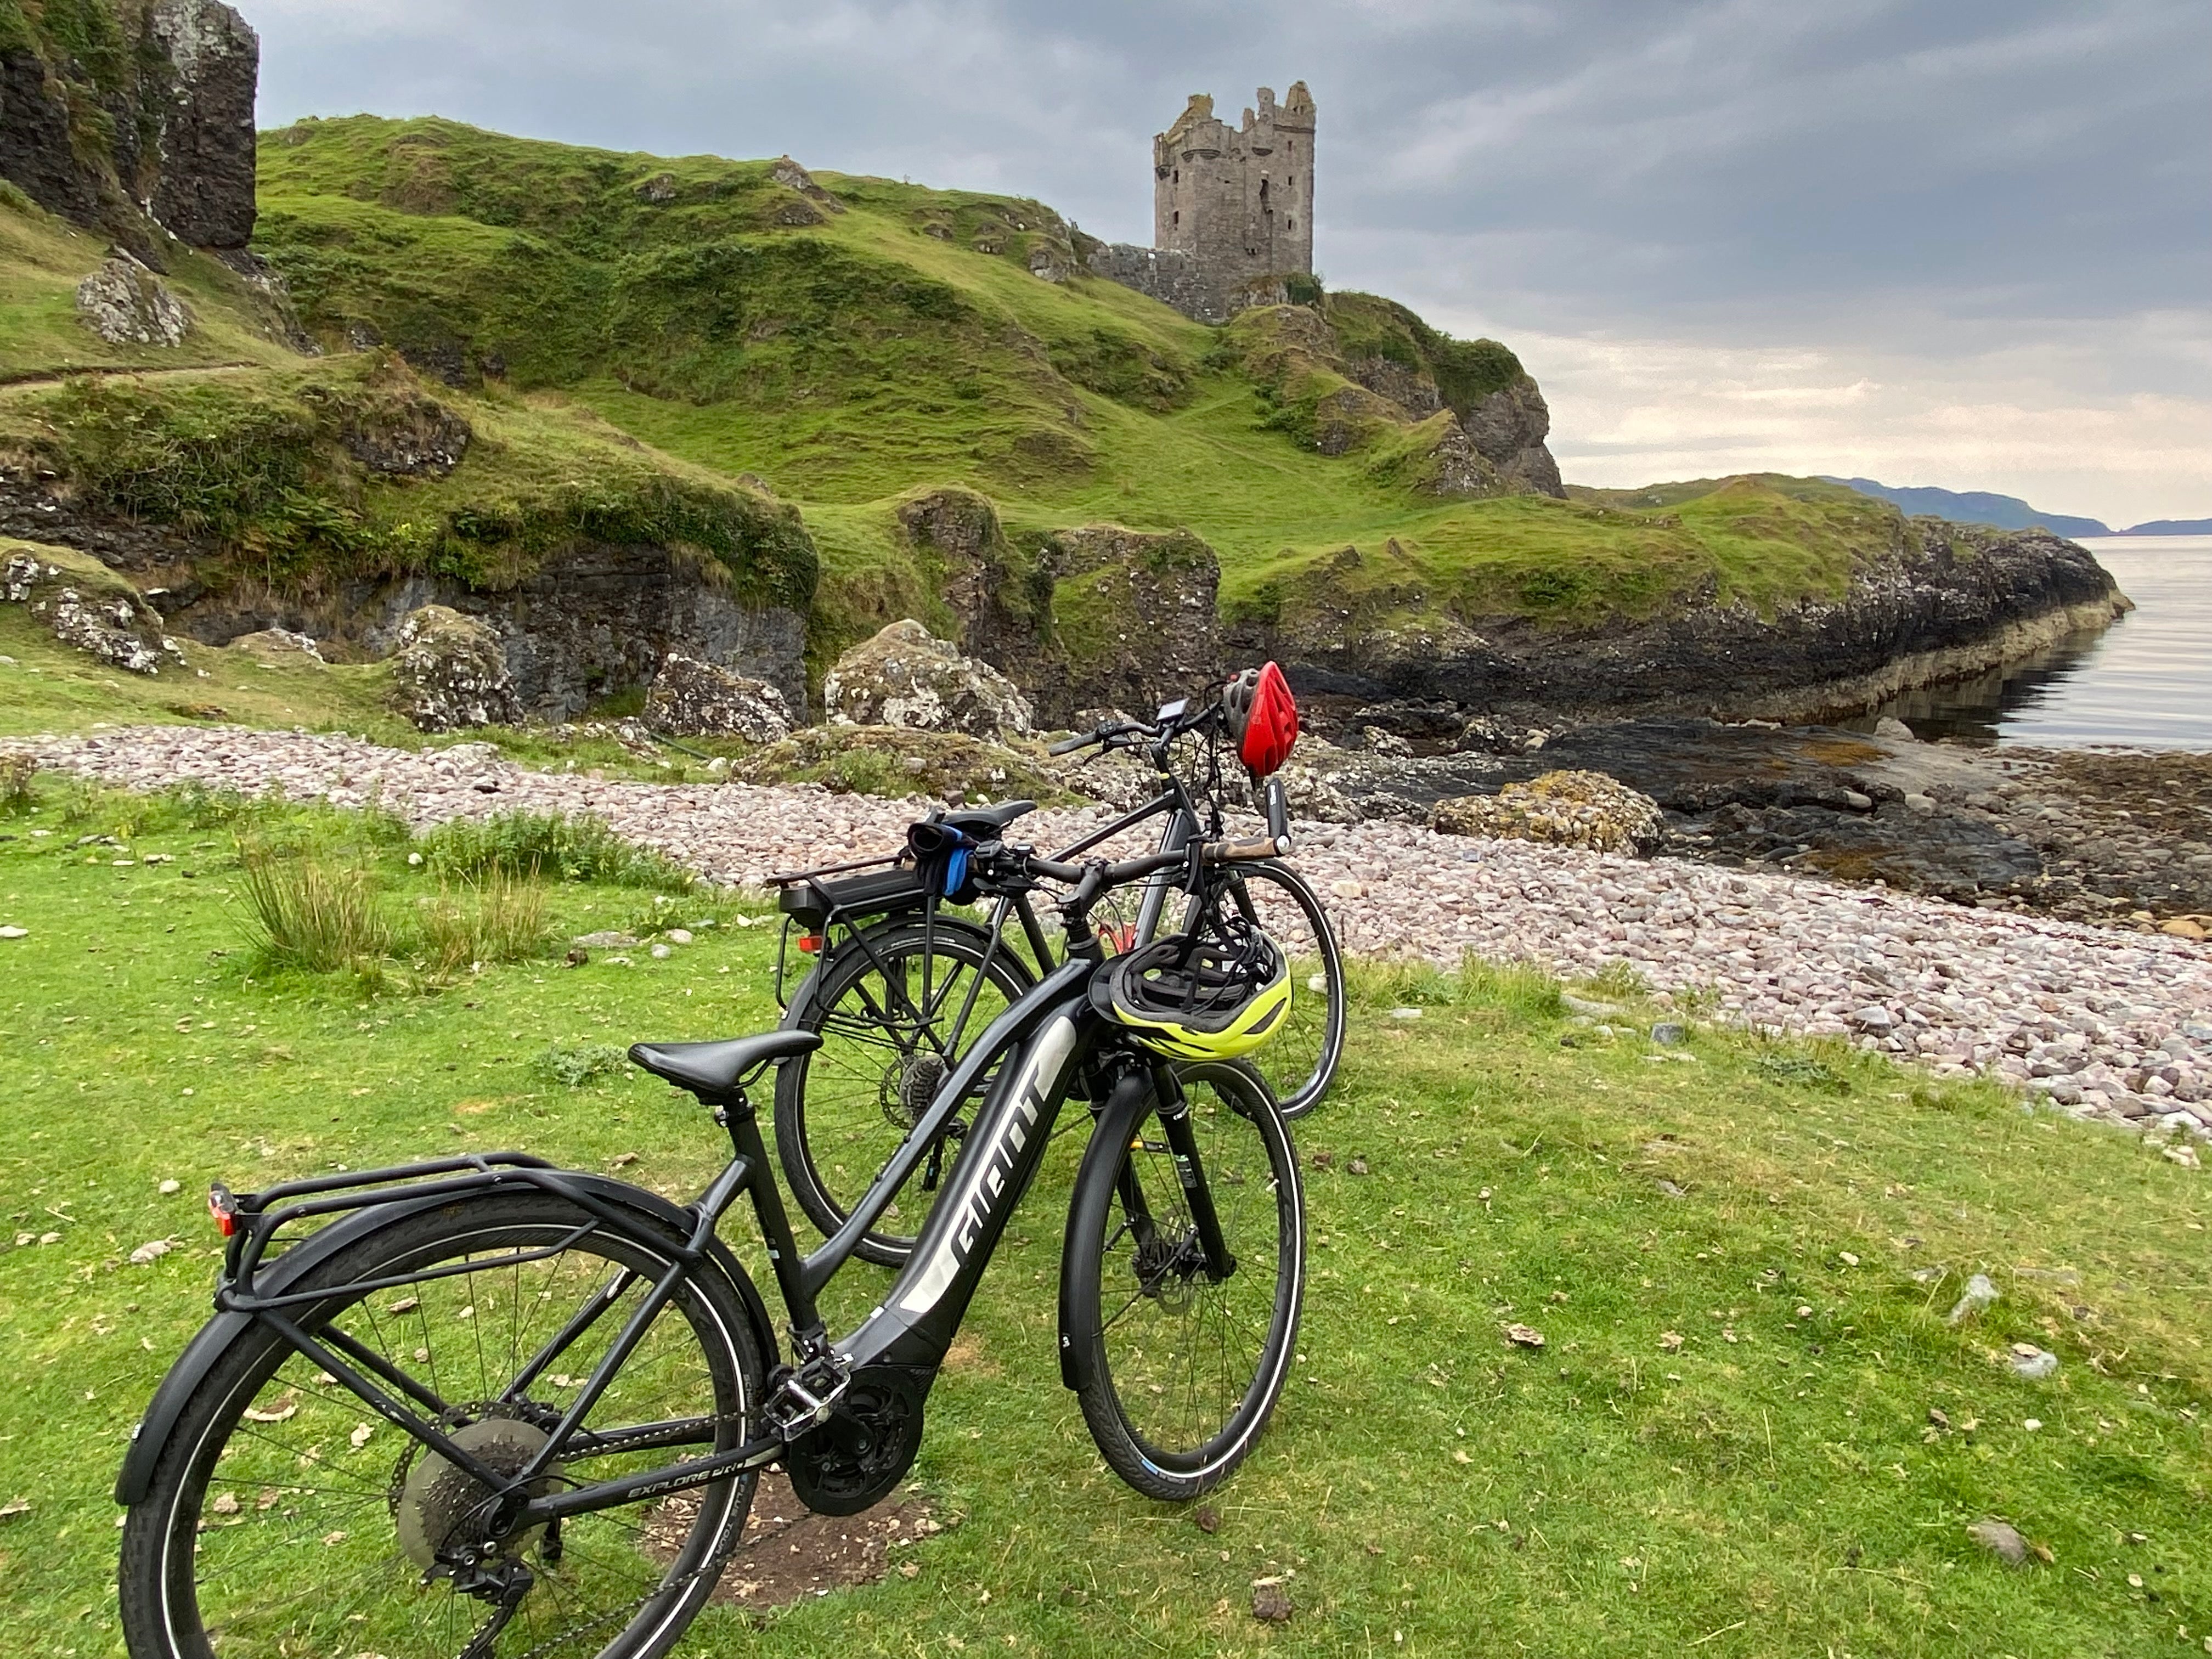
(1044, 1038)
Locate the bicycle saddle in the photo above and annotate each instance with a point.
(974, 819)
(715, 1067)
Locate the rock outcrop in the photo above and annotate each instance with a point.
(1946, 600)
(904, 676)
(135, 113)
(693, 699)
(448, 673)
(124, 303)
(83, 605)
(1096, 616)
(1561, 809)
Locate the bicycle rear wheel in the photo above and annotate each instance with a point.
(286, 1517)
(1177, 1367)
(1299, 1062)
(896, 1010)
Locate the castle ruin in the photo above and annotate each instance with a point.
(1232, 210)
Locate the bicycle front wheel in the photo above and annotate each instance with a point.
(285, 1516)
(1299, 1061)
(1180, 1348)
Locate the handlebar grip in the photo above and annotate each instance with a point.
(1069, 745)
(1232, 852)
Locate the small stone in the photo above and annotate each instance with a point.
(14, 932)
(1405, 1013)
(678, 936)
(1668, 1033)
(2032, 1424)
(2032, 1363)
(2183, 927)
(2003, 1539)
(1979, 1295)
(1671, 1341)
(1208, 1518)
(1857, 802)
(1524, 1336)
(1873, 1019)
(1939, 1417)
(605, 940)
(169, 1186)
(1847, 1258)
(1357, 1166)
(661, 953)
(1271, 1603)
(152, 1250)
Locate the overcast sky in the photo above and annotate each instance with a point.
(1957, 242)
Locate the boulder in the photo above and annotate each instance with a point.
(84, 605)
(905, 677)
(126, 304)
(1563, 809)
(693, 699)
(449, 672)
(277, 645)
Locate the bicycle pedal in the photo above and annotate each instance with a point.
(805, 1397)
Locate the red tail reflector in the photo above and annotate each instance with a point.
(224, 1208)
(811, 943)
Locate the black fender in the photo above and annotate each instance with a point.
(217, 1337)
(1127, 1102)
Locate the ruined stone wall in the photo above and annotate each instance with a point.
(1232, 207)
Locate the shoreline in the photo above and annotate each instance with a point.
(2109, 1024)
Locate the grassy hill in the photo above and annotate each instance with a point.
(853, 339)
(648, 345)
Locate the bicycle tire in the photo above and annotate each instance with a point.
(1300, 1062)
(841, 1111)
(1123, 1342)
(357, 1590)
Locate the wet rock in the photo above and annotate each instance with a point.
(693, 699)
(1894, 729)
(126, 304)
(449, 672)
(1563, 809)
(905, 677)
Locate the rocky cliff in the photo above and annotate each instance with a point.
(135, 118)
(1948, 599)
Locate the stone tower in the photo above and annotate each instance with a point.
(1232, 209)
(1239, 199)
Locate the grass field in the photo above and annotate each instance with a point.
(1740, 1258)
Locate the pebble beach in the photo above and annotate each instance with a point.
(2110, 1024)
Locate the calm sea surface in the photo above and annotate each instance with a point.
(2145, 682)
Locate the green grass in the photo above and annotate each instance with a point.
(1783, 1492)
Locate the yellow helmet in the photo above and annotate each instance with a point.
(1198, 998)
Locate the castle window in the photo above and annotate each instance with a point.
(1176, 218)
(1290, 224)
(1178, 176)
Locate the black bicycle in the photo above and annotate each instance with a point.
(902, 985)
(487, 1406)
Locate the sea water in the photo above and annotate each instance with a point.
(2145, 682)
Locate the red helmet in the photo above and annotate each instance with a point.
(1263, 718)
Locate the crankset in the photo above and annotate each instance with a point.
(865, 1446)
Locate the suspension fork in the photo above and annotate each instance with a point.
(1174, 1108)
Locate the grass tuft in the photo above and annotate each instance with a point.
(546, 847)
(309, 913)
(17, 796)
(573, 1065)
(499, 918)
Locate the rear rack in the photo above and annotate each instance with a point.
(251, 1221)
